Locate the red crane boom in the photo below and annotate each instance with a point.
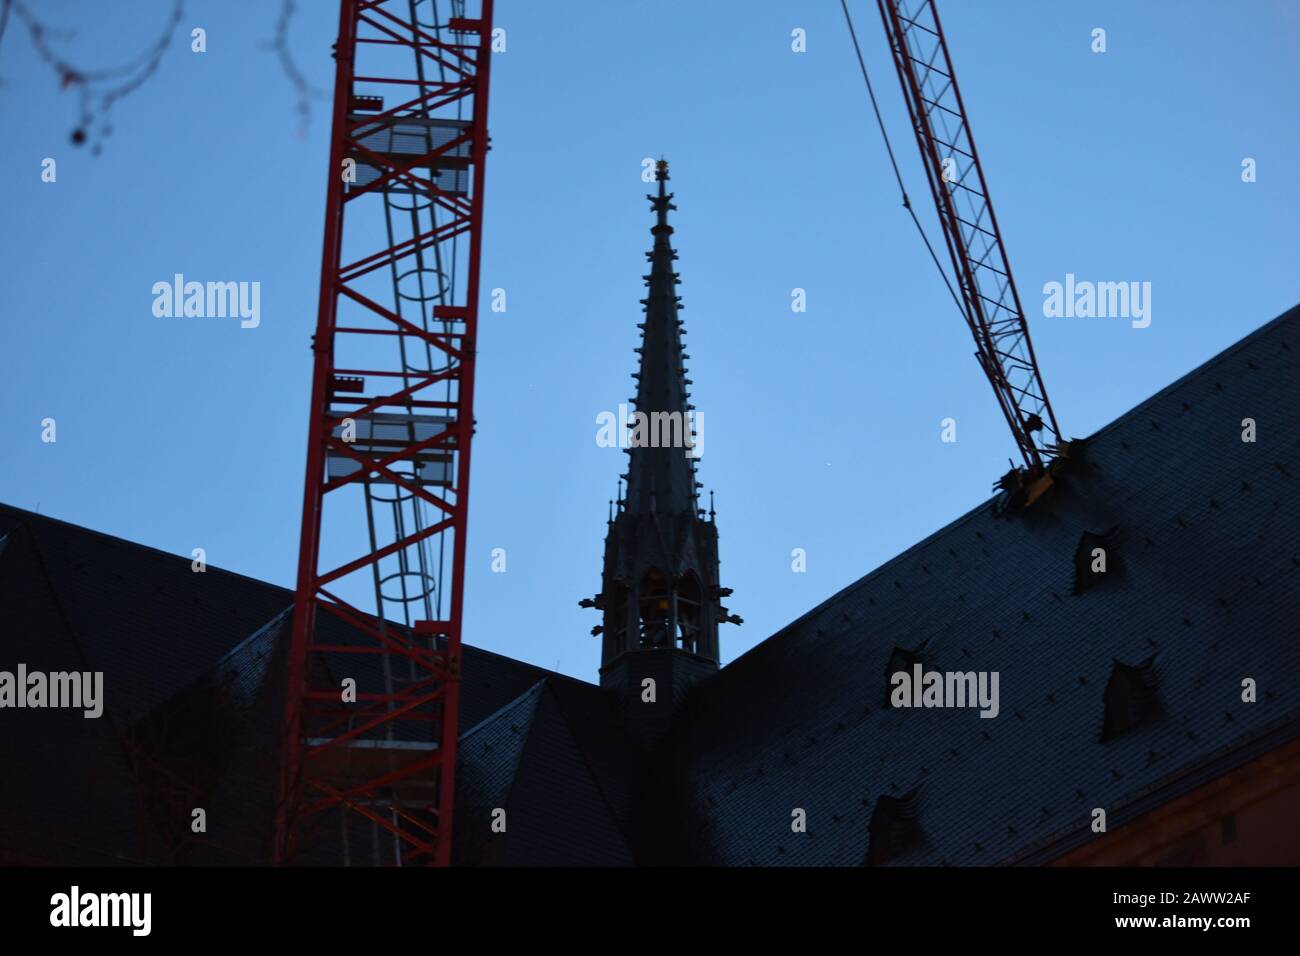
(988, 292)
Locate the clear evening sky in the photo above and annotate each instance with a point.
(822, 428)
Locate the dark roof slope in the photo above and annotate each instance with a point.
(1203, 587)
(557, 763)
(144, 617)
(189, 679)
(66, 794)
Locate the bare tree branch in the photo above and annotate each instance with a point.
(98, 89)
(279, 44)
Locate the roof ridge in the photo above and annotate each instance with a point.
(275, 620)
(115, 731)
(1237, 346)
(532, 688)
(24, 517)
(59, 609)
(543, 671)
(1261, 332)
(25, 520)
(591, 771)
(253, 635)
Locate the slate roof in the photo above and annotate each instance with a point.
(1202, 590)
(141, 616)
(65, 791)
(559, 766)
(191, 687)
(1204, 576)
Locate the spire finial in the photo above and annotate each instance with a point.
(661, 203)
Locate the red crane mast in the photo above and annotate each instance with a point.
(370, 725)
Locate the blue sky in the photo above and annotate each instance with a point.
(822, 428)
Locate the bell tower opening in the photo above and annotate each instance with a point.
(656, 609)
(690, 602)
